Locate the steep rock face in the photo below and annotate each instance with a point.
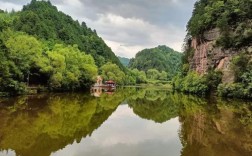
(208, 55)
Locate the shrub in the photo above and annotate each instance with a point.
(235, 90)
(192, 83)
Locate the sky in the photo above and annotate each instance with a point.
(127, 26)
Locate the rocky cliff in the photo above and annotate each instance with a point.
(218, 49)
(218, 31)
(207, 55)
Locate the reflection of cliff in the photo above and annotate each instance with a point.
(46, 124)
(225, 130)
(156, 105)
(208, 127)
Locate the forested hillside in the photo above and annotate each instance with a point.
(161, 58)
(43, 20)
(42, 47)
(218, 49)
(125, 61)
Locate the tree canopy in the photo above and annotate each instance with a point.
(43, 20)
(161, 58)
(233, 17)
(41, 46)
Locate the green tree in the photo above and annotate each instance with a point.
(161, 58)
(139, 75)
(153, 74)
(163, 75)
(42, 19)
(111, 71)
(20, 53)
(70, 68)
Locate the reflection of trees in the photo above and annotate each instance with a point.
(216, 129)
(208, 127)
(156, 105)
(46, 124)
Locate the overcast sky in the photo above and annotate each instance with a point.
(127, 26)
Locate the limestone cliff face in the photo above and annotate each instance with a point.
(208, 55)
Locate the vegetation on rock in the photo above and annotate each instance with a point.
(233, 18)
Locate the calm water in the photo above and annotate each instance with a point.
(129, 122)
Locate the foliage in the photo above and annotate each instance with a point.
(233, 17)
(70, 68)
(235, 90)
(189, 52)
(163, 75)
(43, 20)
(213, 79)
(25, 61)
(140, 76)
(41, 46)
(191, 83)
(161, 58)
(240, 64)
(111, 71)
(242, 88)
(18, 55)
(152, 74)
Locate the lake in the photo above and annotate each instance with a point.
(127, 122)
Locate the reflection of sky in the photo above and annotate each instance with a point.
(124, 133)
(7, 153)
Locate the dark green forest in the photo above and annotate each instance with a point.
(42, 20)
(161, 59)
(44, 48)
(232, 17)
(41, 46)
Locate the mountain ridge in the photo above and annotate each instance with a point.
(162, 58)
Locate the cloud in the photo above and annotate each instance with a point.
(127, 36)
(132, 137)
(128, 26)
(9, 6)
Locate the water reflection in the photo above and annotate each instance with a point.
(222, 129)
(169, 124)
(125, 134)
(47, 123)
(156, 105)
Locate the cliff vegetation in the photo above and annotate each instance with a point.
(218, 49)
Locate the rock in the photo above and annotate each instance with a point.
(250, 50)
(207, 55)
(211, 35)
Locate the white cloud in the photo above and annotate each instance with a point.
(126, 134)
(127, 36)
(9, 6)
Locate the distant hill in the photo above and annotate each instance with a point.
(42, 19)
(125, 61)
(161, 58)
